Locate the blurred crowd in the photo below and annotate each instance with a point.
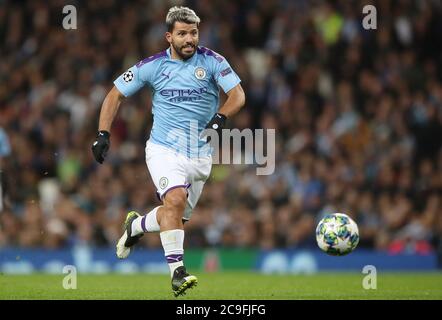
(357, 113)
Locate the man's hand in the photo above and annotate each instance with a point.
(101, 146)
(217, 123)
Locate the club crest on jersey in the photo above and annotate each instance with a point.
(128, 76)
(163, 182)
(200, 73)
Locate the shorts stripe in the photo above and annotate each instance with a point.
(187, 186)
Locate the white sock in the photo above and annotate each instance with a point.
(146, 223)
(172, 241)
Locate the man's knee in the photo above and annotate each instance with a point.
(175, 201)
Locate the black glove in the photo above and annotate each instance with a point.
(217, 123)
(101, 146)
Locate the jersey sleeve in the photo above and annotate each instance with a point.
(224, 76)
(129, 82)
(135, 78)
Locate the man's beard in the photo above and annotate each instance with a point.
(182, 55)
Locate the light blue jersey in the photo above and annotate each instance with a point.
(185, 95)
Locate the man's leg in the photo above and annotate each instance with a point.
(146, 223)
(171, 226)
(170, 217)
(167, 172)
(135, 226)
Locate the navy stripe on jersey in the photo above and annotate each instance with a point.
(152, 58)
(208, 52)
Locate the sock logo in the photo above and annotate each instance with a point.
(174, 258)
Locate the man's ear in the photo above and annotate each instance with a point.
(169, 37)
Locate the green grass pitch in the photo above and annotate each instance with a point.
(225, 285)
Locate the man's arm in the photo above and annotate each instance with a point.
(235, 101)
(107, 114)
(109, 109)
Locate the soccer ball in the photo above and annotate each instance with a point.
(337, 234)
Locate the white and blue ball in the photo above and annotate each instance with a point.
(337, 234)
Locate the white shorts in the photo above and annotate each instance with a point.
(170, 170)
